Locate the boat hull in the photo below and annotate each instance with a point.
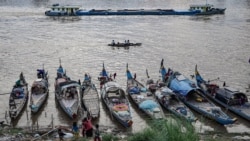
(125, 12)
(115, 100)
(171, 102)
(39, 94)
(18, 100)
(142, 98)
(124, 44)
(67, 98)
(90, 100)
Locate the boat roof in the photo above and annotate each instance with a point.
(64, 6)
(181, 84)
(229, 92)
(112, 86)
(67, 84)
(39, 82)
(201, 5)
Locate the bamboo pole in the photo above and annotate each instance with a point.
(37, 126)
(52, 121)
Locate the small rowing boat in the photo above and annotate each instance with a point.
(90, 97)
(18, 97)
(170, 101)
(143, 99)
(39, 91)
(66, 93)
(124, 44)
(114, 97)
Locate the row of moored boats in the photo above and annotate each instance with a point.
(174, 92)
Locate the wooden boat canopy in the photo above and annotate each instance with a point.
(231, 93)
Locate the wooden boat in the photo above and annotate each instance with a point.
(124, 44)
(170, 101)
(118, 105)
(114, 98)
(66, 93)
(228, 97)
(18, 97)
(39, 91)
(193, 96)
(143, 99)
(90, 97)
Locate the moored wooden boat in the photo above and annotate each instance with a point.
(170, 101)
(66, 93)
(228, 97)
(118, 105)
(39, 91)
(113, 96)
(18, 97)
(143, 99)
(90, 97)
(193, 96)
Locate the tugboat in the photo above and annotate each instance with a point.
(58, 10)
(207, 9)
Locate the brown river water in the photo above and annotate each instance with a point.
(218, 44)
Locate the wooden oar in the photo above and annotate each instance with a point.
(147, 73)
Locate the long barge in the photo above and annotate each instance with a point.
(72, 10)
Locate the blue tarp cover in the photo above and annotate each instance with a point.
(148, 105)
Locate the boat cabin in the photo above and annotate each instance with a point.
(67, 9)
(201, 8)
(231, 96)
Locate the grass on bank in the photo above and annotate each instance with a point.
(167, 130)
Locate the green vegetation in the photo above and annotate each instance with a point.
(109, 137)
(163, 130)
(11, 131)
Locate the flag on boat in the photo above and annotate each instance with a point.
(104, 73)
(198, 77)
(129, 75)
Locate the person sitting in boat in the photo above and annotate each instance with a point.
(60, 72)
(86, 77)
(21, 81)
(73, 92)
(40, 73)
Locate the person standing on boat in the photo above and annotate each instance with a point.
(114, 75)
(113, 42)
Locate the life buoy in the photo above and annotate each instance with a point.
(120, 107)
